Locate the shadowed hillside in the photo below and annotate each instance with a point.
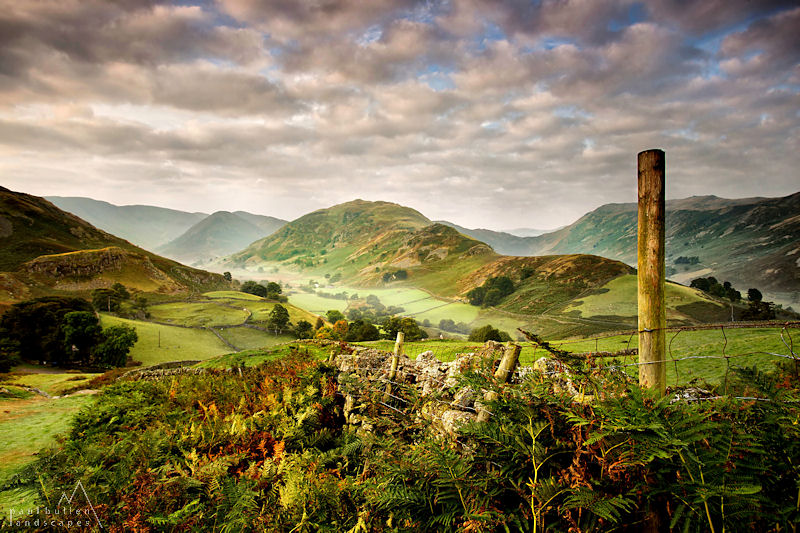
(44, 249)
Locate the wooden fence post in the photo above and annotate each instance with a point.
(652, 309)
(503, 374)
(398, 351)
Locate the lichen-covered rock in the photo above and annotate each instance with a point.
(453, 420)
(559, 374)
(691, 394)
(465, 398)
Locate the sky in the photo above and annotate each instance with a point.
(487, 113)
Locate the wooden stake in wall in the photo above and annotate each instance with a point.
(398, 351)
(652, 309)
(503, 374)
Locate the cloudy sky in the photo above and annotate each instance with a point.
(489, 113)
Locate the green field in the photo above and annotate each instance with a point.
(261, 311)
(236, 295)
(619, 296)
(250, 339)
(250, 358)
(198, 314)
(52, 384)
(751, 347)
(419, 305)
(317, 304)
(159, 344)
(28, 426)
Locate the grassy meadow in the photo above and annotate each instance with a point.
(159, 344)
(29, 425)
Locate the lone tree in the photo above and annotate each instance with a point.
(117, 342)
(488, 333)
(304, 329)
(754, 295)
(278, 319)
(334, 316)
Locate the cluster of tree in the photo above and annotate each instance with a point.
(687, 260)
(63, 332)
(118, 300)
(488, 333)
(333, 296)
(373, 310)
(757, 308)
(397, 275)
(333, 279)
(491, 292)
(266, 289)
(447, 324)
(409, 327)
(713, 287)
(355, 331)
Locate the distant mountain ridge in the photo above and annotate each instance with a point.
(747, 241)
(503, 242)
(144, 225)
(219, 234)
(371, 244)
(170, 231)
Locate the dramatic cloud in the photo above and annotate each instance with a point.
(494, 114)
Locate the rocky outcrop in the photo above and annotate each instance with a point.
(90, 269)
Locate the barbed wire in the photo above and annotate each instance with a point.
(767, 324)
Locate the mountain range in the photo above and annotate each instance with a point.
(751, 242)
(219, 234)
(191, 238)
(384, 245)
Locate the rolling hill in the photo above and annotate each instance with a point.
(144, 225)
(221, 233)
(383, 245)
(44, 250)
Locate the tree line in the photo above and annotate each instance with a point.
(64, 332)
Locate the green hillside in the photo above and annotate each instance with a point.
(380, 248)
(751, 242)
(44, 250)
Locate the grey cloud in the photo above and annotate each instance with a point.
(321, 20)
(301, 105)
(774, 43)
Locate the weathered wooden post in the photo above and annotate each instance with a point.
(398, 351)
(503, 374)
(652, 309)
